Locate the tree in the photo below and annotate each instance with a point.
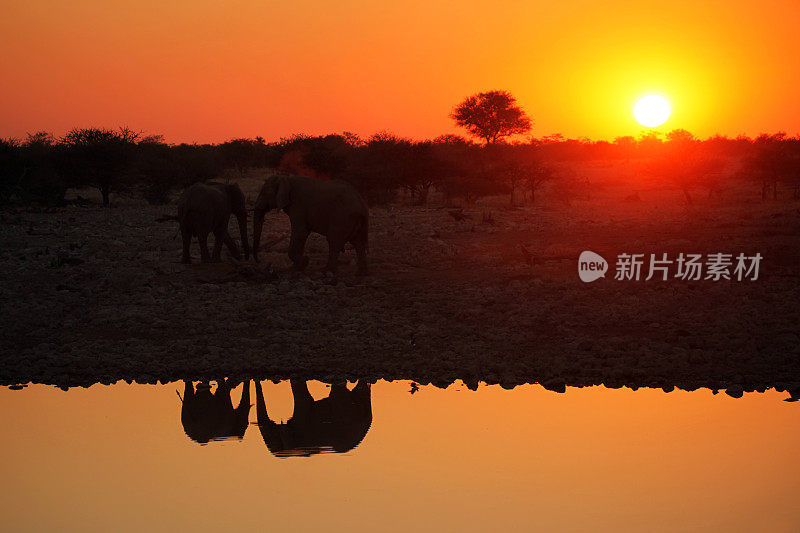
(683, 161)
(197, 162)
(12, 168)
(42, 181)
(680, 135)
(98, 157)
(457, 168)
(426, 170)
(156, 168)
(771, 162)
(243, 154)
(519, 167)
(319, 157)
(491, 116)
(381, 166)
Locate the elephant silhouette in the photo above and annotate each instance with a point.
(208, 416)
(337, 423)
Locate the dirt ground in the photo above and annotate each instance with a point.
(90, 295)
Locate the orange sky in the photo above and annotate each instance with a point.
(207, 71)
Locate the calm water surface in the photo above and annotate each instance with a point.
(158, 458)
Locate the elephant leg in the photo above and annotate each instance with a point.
(333, 257)
(244, 403)
(232, 248)
(240, 416)
(202, 238)
(186, 234)
(215, 253)
(297, 244)
(361, 258)
(261, 406)
(303, 401)
(188, 390)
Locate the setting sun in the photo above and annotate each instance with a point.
(651, 110)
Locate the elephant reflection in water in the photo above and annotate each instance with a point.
(208, 416)
(337, 423)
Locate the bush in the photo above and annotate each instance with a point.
(326, 157)
(12, 169)
(39, 180)
(196, 162)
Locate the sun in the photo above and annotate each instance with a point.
(651, 110)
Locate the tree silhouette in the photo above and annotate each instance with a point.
(12, 168)
(98, 157)
(242, 154)
(683, 161)
(771, 162)
(491, 116)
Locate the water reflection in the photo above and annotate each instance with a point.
(111, 458)
(337, 423)
(208, 416)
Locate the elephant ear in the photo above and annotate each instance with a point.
(283, 195)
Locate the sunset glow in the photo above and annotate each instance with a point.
(208, 72)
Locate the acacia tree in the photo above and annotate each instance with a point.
(491, 116)
(98, 157)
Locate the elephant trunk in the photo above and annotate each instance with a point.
(243, 231)
(258, 221)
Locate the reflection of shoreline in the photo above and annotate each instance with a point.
(337, 423)
(551, 382)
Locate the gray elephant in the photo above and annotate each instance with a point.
(208, 416)
(206, 208)
(333, 209)
(337, 423)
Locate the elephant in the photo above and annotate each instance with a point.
(206, 208)
(337, 423)
(333, 209)
(208, 416)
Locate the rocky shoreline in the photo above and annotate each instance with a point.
(94, 295)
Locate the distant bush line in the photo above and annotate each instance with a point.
(41, 167)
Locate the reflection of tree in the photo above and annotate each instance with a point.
(337, 423)
(210, 416)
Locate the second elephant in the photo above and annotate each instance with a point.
(333, 209)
